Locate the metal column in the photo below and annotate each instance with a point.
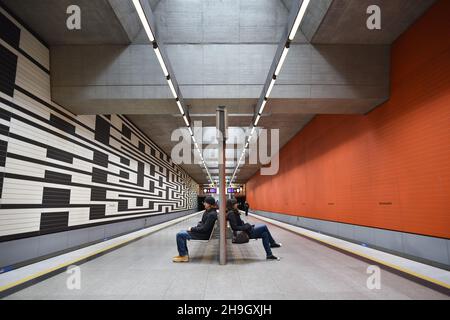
(221, 129)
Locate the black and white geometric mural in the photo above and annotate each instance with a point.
(59, 171)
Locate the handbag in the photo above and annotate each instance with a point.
(241, 237)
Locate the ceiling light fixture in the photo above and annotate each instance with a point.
(159, 55)
(144, 21)
(283, 57)
(272, 83)
(186, 120)
(257, 120)
(263, 104)
(291, 36)
(180, 107)
(172, 88)
(298, 19)
(160, 59)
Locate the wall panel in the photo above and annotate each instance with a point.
(59, 171)
(388, 169)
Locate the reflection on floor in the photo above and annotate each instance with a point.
(307, 270)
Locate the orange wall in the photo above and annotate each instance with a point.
(388, 169)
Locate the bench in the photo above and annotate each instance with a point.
(210, 236)
(229, 232)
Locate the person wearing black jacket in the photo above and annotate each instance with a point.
(259, 231)
(200, 232)
(246, 207)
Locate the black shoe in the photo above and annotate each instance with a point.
(276, 245)
(272, 257)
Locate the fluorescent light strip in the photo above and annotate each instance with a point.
(257, 119)
(298, 19)
(280, 63)
(193, 139)
(263, 104)
(172, 88)
(144, 20)
(180, 107)
(161, 61)
(297, 22)
(186, 120)
(269, 90)
(151, 37)
(253, 131)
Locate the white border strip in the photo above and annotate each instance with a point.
(423, 271)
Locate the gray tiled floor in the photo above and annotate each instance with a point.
(307, 270)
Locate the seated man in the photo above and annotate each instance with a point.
(201, 232)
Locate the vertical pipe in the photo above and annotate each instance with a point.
(221, 129)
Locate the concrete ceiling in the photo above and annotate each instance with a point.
(215, 22)
(160, 128)
(345, 21)
(220, 53)
(99, 23)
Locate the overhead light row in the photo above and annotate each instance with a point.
(298, 20)
(150, 35)
(242, 157)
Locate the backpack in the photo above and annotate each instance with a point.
(240, 237)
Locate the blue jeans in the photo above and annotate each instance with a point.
(182, 238)
(260, 231)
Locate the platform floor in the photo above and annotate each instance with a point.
(144, 270)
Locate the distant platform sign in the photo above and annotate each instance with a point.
(210, 190)
(233, 190)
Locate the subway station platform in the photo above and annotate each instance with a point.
(122, 121)
(143, 269)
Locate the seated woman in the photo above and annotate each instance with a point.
(259, 231)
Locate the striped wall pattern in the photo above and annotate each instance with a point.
(59, 171)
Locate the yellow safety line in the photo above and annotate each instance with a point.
(41, 273)
(36, 275)
(413, 273)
